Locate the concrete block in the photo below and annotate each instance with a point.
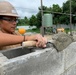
(3, 58)
(70, 55)
(41, 62)
(71, 70)
(37, 61)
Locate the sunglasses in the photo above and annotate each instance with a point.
(10, 19)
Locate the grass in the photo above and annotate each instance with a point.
(34, 30)
(67, 30)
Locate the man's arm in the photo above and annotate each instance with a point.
(8, 39)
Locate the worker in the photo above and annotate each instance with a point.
(8, 37)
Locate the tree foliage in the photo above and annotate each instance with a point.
(33, 20)
(61, 15)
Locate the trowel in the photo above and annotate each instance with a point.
(59, 43)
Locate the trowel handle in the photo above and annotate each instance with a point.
(29, 44)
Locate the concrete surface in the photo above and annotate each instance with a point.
(40, 62)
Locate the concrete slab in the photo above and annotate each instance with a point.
(41, 62)
(37, 61)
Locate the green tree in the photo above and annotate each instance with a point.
(39, 20)
(56, 13)
(56, 8)
(33, 21)
(21, 22)
(26, 20)
(66, 9)
(39, 16)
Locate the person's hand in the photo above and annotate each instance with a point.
(41, 41)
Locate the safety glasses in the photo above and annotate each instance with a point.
(10, 19)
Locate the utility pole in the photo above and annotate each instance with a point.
(42, 27)
(70, 19)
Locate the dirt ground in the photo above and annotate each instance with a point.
(49, 37)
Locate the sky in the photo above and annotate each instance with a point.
(30, 7)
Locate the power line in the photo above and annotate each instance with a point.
(59, 13)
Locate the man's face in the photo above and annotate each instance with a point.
(8, 24)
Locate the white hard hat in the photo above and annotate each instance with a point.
(7, 9)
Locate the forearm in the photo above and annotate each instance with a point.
(7, 39)
(30, 37)
(35, 37)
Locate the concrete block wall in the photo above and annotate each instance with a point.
(41, 62)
